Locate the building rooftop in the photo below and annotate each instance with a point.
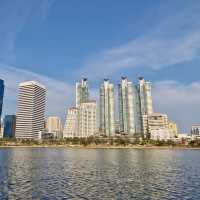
(32, 83)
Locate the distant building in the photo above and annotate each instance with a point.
(1, 97)
(195, 130)
(9, 126)
(30, 110)
(126, 107)
(82, 92)
(173, 129)
(87, 125)
(71, 125)
(107, 109)
(54, 125)
(45, 135)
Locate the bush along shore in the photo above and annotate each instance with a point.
(97, 142)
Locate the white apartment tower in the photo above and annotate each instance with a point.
(30, 110)
(87, 119)
(71, 125)
(82, 92)
(126, 107)
(54, 125)
(107, 109)
(145, 97)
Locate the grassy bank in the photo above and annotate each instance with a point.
(93, 142)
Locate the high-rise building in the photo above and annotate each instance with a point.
(71, 124)
(1, 97)
(9, 126)
(107, 109)
(137, 111)
(30, 110)
(54, 125)
(87, 119)
(145, 97)
(126, 107)
(82, 92)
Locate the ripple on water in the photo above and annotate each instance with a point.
(99, 174)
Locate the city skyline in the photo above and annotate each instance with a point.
(129, 42)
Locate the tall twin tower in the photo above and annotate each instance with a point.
(134, 101)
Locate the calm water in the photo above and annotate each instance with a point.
(27, 173)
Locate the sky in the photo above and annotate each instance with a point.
(56, 42)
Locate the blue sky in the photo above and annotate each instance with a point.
(58, 41)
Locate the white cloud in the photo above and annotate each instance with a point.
(20, 12)
(176, 39)
(60, 95)
(180, 101)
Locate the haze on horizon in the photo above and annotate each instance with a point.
(57, 42)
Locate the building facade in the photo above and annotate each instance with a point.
(1, 97)
(87, 119)
(107, 109)
(195, 130)
(126, 107)
(9, 126)
(137, 111)
(71, 125)
(155, 123)
(173, 129)
(82, 91)
(145, 97)
(54, 125)
(30, 110)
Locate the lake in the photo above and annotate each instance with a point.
(61, 173)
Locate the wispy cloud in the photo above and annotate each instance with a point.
(60, 95)
(14, 15)
(180, 101)
(174, 40)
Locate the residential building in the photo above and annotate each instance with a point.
(82, 91)
(54, 125)
(107, 109)
(145, 97)
(137, 111)
(153, 122)
(87, 119)
(9, 126)
(126, 107)
(1, 97)
(71, 125)
(30, 110)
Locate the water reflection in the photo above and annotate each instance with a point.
(43, 173)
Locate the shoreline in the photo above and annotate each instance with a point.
(100, 147)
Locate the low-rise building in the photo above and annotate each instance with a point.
(160, 134)
(54, 125)
(195, 130)
(71, 125)
(155, 123)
